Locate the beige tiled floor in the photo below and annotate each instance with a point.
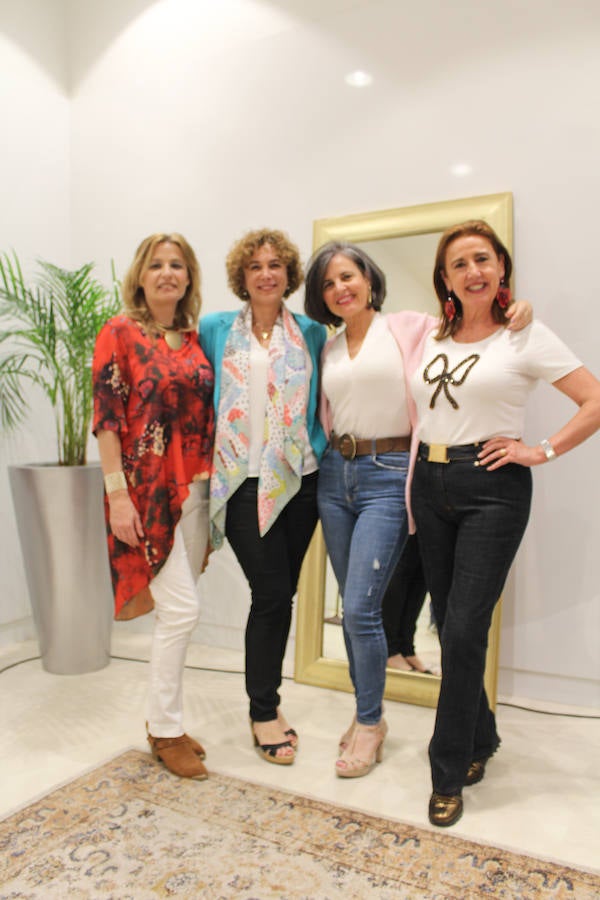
(541, 794)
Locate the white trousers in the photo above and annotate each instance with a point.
(176, 611)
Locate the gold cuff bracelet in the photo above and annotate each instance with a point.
(115, 481)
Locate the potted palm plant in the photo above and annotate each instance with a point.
(48, 328)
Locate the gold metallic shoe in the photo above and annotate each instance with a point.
(475, 772)
(178, 756)
(445, 811)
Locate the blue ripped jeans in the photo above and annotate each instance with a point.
(363, 514)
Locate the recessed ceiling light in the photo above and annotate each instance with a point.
(461, 169)
(358, 78)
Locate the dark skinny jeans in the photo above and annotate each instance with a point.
(272, 566)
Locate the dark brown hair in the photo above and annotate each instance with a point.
(314, 304)
(478, 228)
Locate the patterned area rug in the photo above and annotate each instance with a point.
(131, 831)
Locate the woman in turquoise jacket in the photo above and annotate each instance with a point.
(268, 444)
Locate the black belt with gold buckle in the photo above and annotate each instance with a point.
(442, 453)
(349, 446)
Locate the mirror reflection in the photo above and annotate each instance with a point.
(403, 243)
(409, 624)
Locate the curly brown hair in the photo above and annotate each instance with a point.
(243, 250)
(134, 301)
(465, 229)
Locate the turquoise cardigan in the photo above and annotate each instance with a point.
(213, 331)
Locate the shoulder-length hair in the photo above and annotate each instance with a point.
(314, 304)
(243, 250)
(479, 228)
(134, 301)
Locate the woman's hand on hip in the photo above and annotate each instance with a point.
(500, 451)
(125, 522)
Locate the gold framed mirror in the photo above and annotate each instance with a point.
(408, 236)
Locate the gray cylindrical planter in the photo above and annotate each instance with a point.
(60, 520)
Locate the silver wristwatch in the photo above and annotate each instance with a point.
(548, 449)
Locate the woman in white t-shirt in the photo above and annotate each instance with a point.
(471, 488)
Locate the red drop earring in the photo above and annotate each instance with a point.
(449, 308)
(503, 296)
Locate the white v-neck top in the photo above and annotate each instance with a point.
(367, 394)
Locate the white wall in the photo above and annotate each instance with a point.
(212, 118)
(34, 222)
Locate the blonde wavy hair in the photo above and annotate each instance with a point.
(243, 250)
(134, 300)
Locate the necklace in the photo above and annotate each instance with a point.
(173, 336)
(263, 333)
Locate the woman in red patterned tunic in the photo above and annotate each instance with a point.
(154, 421)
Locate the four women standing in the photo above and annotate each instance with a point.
(469, 374)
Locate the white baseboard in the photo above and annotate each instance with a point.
(547, 691)
(15, 632)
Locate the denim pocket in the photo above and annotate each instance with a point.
(396, 461)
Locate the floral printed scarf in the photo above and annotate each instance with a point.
(285, 434)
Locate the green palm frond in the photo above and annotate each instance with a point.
(47, 335)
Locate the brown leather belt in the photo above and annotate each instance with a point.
(350, 447)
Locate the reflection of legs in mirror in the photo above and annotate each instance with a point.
(402, 605)
(336, 618)
(399, 662)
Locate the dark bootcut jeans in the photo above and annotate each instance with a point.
(272, 566)
(470, 522)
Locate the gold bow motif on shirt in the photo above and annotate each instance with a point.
(445, 378)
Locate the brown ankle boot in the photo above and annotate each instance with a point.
(196, 747)
(178, 756)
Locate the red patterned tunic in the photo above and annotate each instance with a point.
(159, 402)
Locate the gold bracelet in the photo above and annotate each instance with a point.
(115, 481)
